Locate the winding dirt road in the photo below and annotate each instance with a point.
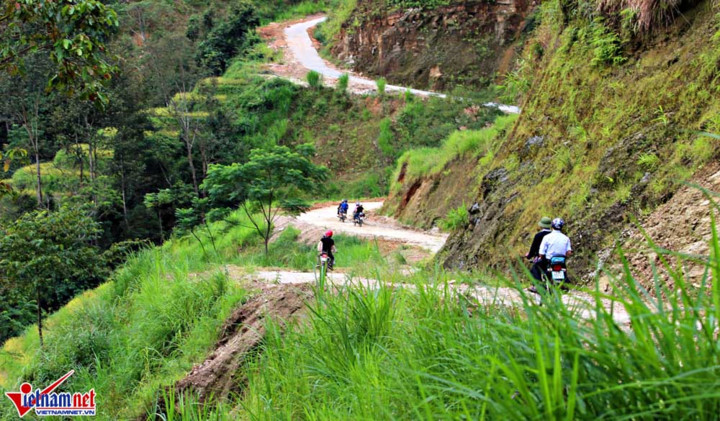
(380, 228)
(304, 53)
(324, 218)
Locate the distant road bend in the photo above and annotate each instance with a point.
(301, 46)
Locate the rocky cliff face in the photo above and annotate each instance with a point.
(464, 43)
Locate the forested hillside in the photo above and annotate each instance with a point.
(185, 90)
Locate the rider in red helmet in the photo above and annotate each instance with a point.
(327, 245)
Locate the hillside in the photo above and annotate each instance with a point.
(608, 132)
(133, 164)
(159, 224)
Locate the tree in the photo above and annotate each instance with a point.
(50, 257)
(178, 195)
(190, 218)
(73, 32)
(26, 101)
(272, 180)
(228, 39)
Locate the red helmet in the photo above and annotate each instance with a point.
(329, 234)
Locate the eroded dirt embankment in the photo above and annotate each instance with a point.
(300, 56)
(682, 226)
(243, 332)
(464, 43)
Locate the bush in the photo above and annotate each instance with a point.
(386, 137)
(455, 219)
(606, 45)
(314, 79)
(343, 82)
(381, 84)
(370, 184)
(228, 39)
(702, 149)
(649, 161)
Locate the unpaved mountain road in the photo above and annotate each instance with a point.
(300, 52)
(580, 302)
(374, 227)
(317, 221)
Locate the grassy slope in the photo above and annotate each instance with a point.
(145, 329)
(384, 353)
(357, 137)
(398, 354)
(429, 183)
(393, 355)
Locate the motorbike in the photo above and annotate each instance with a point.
(323, 264)
(342, 216)
(359, 220)
(556, 272)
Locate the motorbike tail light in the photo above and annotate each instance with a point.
(557, 268)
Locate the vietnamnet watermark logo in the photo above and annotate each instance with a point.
(48, 403)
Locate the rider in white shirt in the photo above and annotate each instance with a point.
(556, 243)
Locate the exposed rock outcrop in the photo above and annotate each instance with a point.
(464, 43)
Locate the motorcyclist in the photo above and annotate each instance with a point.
(343, 207)
(327, 245)
(555, 244)
(359, 210)
(534, 253)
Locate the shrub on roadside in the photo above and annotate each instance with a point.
(314, 79)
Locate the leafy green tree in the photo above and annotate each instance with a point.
(49, 257)
(188, 219)
(26, 101)
(228, 39)
(73, 32)
(272, 180)
(173, 198)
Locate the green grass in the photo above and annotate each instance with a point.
(386, 353)
(129, 337)
(423, 162)
(353, 254)
(383, 354)
(159, 315)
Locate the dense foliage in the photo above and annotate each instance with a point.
(45, 259)
(157, 317)
(272, 180)
(72, 33)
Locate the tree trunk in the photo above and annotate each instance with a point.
(192, 168)
(124, 194)
(38, 184)
(82, 164)
(268, 229)
(192, 231)
(92, 158)
(39, 314)
(212, 238)
(162, 234)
